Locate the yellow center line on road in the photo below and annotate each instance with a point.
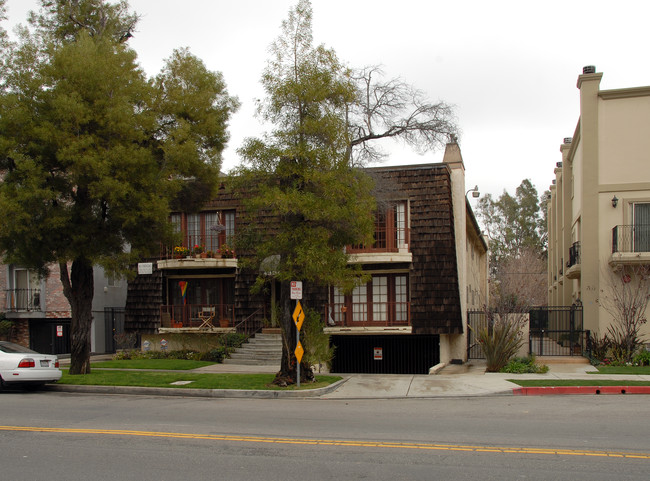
(334, 442)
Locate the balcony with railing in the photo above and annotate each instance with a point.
(390, 245)
(573, 264)
(190, 317)
(630, 244)
(24, 300)
(198, 252)
(375, 316)
(201, 318)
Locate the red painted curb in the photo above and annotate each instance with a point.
(554, 390)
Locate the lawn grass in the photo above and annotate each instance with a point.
(576, 382)
(199, 380)
(164, 364)
(632, 370)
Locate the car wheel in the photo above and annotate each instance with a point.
(2, 384)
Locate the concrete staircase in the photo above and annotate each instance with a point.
(261, 350)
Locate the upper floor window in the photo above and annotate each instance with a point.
(25, 293)
(391, 229)
(210, 229)
(641, 220)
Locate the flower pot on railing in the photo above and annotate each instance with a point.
(224, 322)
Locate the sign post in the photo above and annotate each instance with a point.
(298, 318)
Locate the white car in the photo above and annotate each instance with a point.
(22, 366)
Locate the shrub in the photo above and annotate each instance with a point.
(501, 340)
(5, 327)
(642, 359)
(211, 351)
(599, 348)
(524, 365)
(316, 342)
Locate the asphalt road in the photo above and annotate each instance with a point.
(52, 436)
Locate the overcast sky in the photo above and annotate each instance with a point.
(509, 67)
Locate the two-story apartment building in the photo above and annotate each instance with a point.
(599, 210)
(427, 266)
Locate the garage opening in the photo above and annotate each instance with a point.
(407, 354)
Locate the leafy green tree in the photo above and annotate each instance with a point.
(308, 201)
(93, 152)
(513, 224)
(301, 174)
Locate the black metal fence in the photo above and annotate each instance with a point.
(475, 320)
(631, 238)
(556, 331)
(553, 331)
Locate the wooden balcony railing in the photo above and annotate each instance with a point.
(386, 240)
(378, 314)
(209, 246)
(195, 315)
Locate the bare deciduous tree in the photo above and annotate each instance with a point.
(394, 109)
(625, 297)
(522, 276)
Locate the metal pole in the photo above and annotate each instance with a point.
(298, 368)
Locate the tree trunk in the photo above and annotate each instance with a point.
(78, 288)
(288, 366)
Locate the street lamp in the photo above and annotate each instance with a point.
(474, 191)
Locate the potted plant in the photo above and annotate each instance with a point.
(226, 251)
(198, 249)
(180, 252)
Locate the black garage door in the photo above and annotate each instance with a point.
(385, 354)
(50, 336)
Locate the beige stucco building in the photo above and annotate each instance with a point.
(599, 209)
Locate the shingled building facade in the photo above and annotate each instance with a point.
(428, 266)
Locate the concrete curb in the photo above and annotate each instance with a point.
(188, 392)
(558, 390)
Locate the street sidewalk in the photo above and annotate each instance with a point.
(466, 380)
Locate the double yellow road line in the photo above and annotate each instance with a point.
(332, 442)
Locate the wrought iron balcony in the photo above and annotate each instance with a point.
(631, 238)
(23, 300)
(574, 254)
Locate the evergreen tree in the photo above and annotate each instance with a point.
(302, 176)
(93, 152)
(327, 119)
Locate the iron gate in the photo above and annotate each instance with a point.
(475, 320)
(114, 327)
(554, 331)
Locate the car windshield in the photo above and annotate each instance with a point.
(11, 347)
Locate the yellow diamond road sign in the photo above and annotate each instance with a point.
(298, 315)
(299, 352)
